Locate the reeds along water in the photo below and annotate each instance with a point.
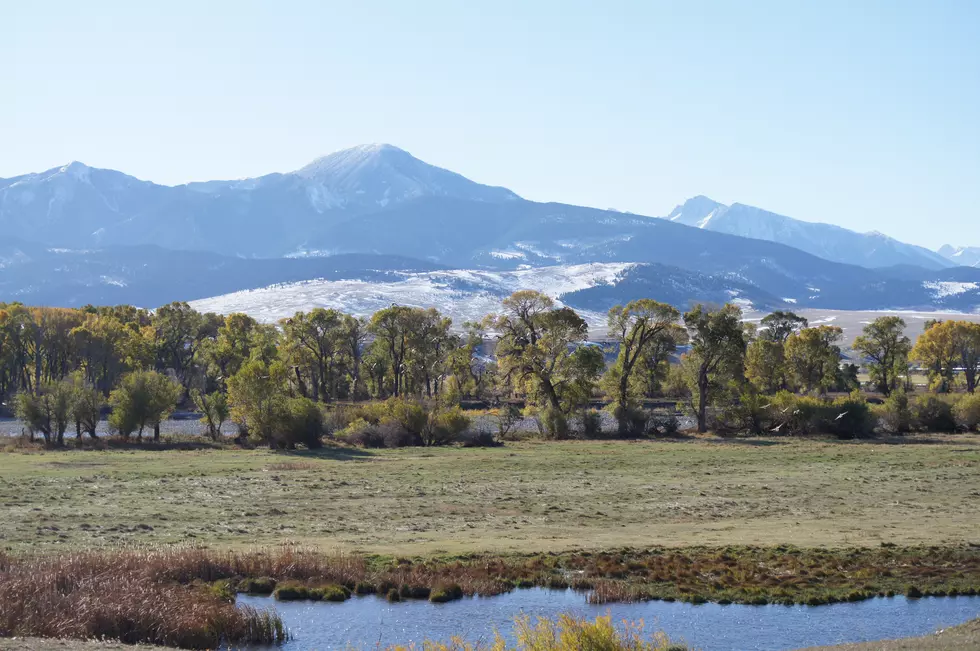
(163, 596)
(112, 596)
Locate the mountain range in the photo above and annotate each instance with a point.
(374, 221)
(827, 241)
(961, 256)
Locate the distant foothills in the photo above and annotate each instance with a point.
(369, 226)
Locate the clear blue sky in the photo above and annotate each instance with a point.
(864, 113)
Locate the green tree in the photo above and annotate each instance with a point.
(180, 335)
(886, 349)
(102, 343)
(813, 357)
(392, 329)
(302, 424)
(765, 365)
(937, 349)
(257, 396)
(430, 345)
(86, 405)
(315, 345)
(48, 411)
(717, 353)
(143, 399)
(214, 410)
(967, 338)
(778, 326)
(636, 328)
(538, 353)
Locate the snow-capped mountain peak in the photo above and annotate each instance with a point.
(696, 211)
(961, 256)
(827, 241)
(380, 174)
(355, 159)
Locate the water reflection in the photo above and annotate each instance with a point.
(370, 622)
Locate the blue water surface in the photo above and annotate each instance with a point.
(371, 622)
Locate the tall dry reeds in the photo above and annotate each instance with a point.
(111, 596)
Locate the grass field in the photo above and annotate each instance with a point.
(525, 497)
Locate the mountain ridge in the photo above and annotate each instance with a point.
(828, 241)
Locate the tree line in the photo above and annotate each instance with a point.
(62, 367)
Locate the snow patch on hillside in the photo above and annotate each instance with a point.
(943, 289)
(463, 294)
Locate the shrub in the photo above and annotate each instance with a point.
(751, 413)
(394, 435)
(443, 593)
(635, 420)
(664, 424)
(850, 417)
(444, 426)
(591, 424)
(409, 414)
(291, 591)
(262, 585)
(967, 412)
(331, 593)
(797, 415)
(363, 434)
(508, 418)
(933, 414)
(478, 439)
(894, 414)
(363, 587)
(551, 423)
(302, 423)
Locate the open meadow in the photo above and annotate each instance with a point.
(521, 497)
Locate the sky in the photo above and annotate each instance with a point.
(859, 113)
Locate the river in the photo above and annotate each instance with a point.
(371, 622)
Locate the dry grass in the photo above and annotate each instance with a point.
(520, 497)
(733, 574)
(120, 597)
(564, 633)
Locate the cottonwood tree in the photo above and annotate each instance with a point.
(353, 334)
(180, 333)
(430, 345)
(717, 353)
(946, 346)
(257, 396)
(143, 399)
(214, 410)
(86, 405)
(640, 328)
(778, 326)
(936, 349)
(765, 365)
(47, 410)
(391, 328)
(103, 346)
(313, 340)
(238, 339)
(886, 349)
(539, 353)
(813, 357)
(968, 347)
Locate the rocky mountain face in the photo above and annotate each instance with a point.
(77, 206)
(961, 256)
(373, 221)
(827, 241)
